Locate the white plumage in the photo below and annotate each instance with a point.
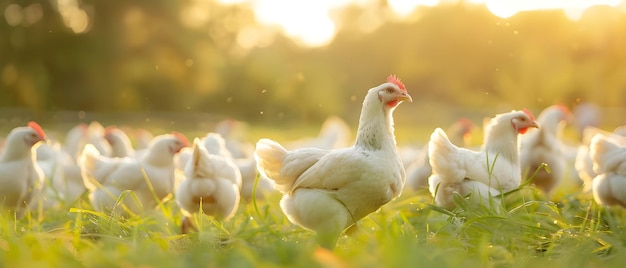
(21, 178)
(419, 170)
(609, 162)
(583, 162)
(211, 182)
(492, 170)
(328, 191)
(544, 145)
(150, 177)
(119, 141)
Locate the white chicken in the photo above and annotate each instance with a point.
(150, 177)
(21, 178)
(419, 170)
(609, 162)
(493, 170)
(95, 137)
(329, 191)
(583, 162)
(75, 140)
(212, 185)
(216, 144)
(544, 145)
(121, 145)
(234, 132)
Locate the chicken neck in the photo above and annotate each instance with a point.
(375, 130)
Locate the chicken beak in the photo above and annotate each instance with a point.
(405, 97)
(534, 124)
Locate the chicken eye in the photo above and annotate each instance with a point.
(389, 90)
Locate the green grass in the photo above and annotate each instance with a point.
(530, 231)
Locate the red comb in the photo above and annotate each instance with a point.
(563, 108)
(37, 127)
(181, 137)
(527, 112)
(396, 81)
(466, 123)
(109, 129)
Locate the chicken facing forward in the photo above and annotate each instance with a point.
(106, 177)
(21, 178)
(212, 182)
(494, 169)
(327, 191)
(609, 163)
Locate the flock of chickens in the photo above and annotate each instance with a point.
(327, 185)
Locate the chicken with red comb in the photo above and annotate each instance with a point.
(328, 191)
(483, 174)
(21, 178)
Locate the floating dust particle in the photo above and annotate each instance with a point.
(82, 115)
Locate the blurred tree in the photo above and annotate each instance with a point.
(201, 56)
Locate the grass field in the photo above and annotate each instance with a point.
(528, 230)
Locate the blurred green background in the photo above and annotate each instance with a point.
(142, 59)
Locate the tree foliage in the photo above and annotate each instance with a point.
(193, 56)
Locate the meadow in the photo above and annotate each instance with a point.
(529, 229)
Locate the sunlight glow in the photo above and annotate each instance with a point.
(310, 23)
(306, 21)
(508, 8)
(404, 8)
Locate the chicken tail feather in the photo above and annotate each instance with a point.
(269, 156)
(443, 158)
(600, 150)
(88, 162)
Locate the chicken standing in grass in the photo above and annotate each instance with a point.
(544, 146)
(21, 178)
(418, 172)
(493, 170)
(150, 177)
(583, 162)
(328, 191)
(212, 184)
(609, 161)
